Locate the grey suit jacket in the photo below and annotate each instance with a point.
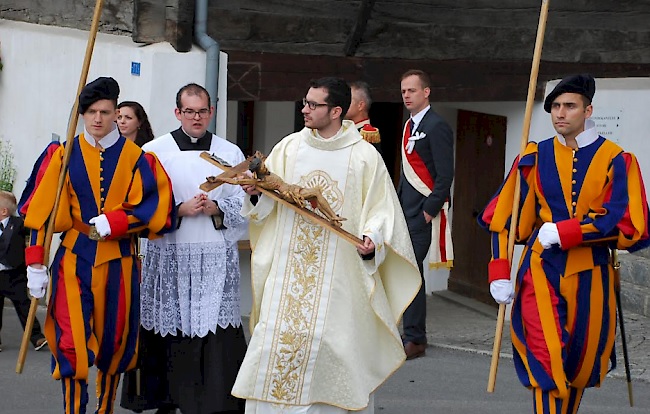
(437, 152)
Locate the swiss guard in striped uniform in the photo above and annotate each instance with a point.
(112, 192)
(581, 195)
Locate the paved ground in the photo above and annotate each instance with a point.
(456, 322)
(451, 378)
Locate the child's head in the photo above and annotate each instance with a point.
(7, 204)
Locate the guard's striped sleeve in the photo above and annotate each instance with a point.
(497, 215)
(39, 198)
(36, 176)
(149, 207)
(622, 213)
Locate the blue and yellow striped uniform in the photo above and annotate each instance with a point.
(564, 312)
(93, 315)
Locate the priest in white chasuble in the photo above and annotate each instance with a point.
(325, 312)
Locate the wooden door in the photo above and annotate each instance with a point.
(480, 161)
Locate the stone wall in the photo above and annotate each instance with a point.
(635, 282)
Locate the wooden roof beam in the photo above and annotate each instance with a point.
(256, 76)
(354, 40)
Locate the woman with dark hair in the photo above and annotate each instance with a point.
(133, 122)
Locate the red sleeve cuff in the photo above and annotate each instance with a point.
(570, 233)
(119, 223)
(34, 255)
(498, 269)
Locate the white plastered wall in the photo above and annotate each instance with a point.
(39, 80)
(42, 66)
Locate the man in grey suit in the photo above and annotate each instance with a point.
(424, 187)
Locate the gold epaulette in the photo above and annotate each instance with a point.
(370, 134)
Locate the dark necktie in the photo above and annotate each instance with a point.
(2, 226)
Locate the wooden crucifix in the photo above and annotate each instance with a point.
(229, 171)
(272, 186)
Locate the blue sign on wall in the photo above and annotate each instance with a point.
(135, 68)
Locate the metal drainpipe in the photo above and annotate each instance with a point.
(212, 50)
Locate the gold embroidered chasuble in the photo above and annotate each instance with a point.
(324, 321)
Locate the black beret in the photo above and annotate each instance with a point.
(583, 84)
(100, 88)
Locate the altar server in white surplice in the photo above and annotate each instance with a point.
(190, 278)
(325, 312)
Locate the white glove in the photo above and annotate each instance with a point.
(502, 291)
(37, 280)
(548, 235)
(102, 225)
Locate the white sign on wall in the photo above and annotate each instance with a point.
(608, 123)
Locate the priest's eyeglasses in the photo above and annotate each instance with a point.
(312, 105)
(191, 114)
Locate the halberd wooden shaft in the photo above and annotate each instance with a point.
(532, 87)
(72, 127)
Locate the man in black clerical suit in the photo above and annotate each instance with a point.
(190, 278)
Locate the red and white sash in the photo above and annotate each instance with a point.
(441, 251)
